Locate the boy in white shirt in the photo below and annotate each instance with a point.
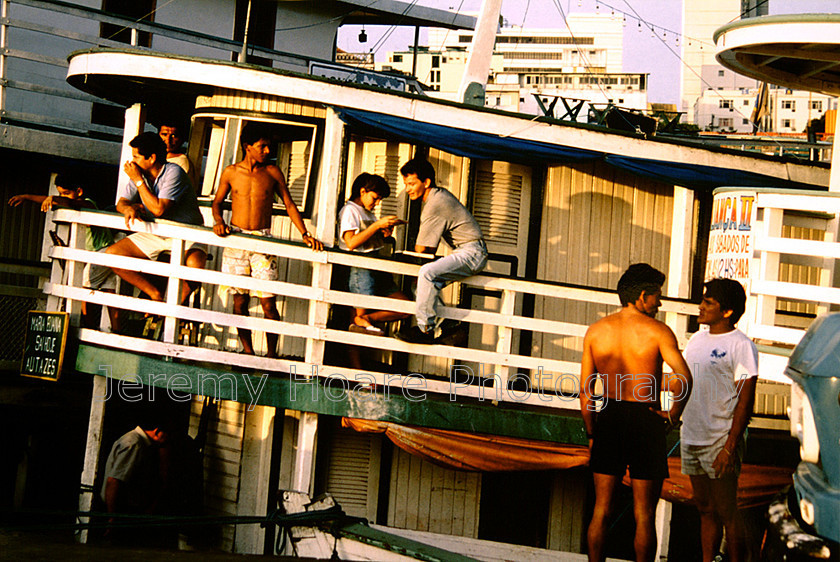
(724, 362)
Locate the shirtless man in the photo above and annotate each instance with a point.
(625, 350)
(252, 184)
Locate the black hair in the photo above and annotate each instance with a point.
(638, 277)
(730, 294)
(421, 168)
(149, 143)
(66, 181)
(174, 122)
(252, 132)
(369, 182)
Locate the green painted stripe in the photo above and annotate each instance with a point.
(136, 375)
(400, 545)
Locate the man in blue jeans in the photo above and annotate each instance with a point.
(442, 217)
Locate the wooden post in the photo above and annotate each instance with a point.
(75, 272)
(94, 442)
(307, 438)
(173, 290)
(254, 476)
(679, 260)
(507, 308)
(135, 122)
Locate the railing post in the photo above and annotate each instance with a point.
(75, 272)
(173, 290)
(503, 345)
(771, 226)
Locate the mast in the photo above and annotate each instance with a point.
(474, 82)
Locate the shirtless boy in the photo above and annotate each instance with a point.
(252, 184)
(625, 350)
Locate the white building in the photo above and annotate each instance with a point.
(700, 70)
(790, 111)
(583, 63)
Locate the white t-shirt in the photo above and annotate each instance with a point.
(354, 218)
(717, 363)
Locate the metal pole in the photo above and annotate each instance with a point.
(414, 58)
(243, 55)
(4, 13)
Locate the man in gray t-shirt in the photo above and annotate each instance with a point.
(442, 217)
(157, 189)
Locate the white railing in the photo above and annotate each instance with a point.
(66, 284)
(784, 216)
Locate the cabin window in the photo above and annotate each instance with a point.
(435, 61)
(816, 105)
(789, 104)
(721, 73)
(787, 123)
(746, 102)
(725, 122)
(725, 104)
(136, 10)
(294, 149)
(397, 58)
(745, 121)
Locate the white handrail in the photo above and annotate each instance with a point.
(556, 372)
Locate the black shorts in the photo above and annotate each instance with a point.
(629, 434)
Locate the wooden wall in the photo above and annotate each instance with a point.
(222, 462)
(596, 222)
(427, 497)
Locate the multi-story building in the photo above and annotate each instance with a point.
(699, 69)
(581, 63)
(789, 111)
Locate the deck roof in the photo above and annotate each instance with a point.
(796, 51)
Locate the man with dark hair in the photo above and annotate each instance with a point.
(132, 482)
(442, 217)
(253, 183)
(725, 366)
(157, 189)
(625, 350)
(171, 132)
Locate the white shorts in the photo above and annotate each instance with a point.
(97, 276)
(252, 264)
(697, 460)
(153, 245)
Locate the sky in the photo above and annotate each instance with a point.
(645, 51)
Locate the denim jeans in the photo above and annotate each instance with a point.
(468, 259)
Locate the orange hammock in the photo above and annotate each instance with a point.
(494, 453)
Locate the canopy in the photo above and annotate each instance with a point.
(495, 453)
(473, 144)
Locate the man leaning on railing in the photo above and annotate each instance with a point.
(157, 189)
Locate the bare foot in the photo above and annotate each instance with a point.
(362, 321)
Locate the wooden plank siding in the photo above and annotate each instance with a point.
(426, 497)
(222, 461)
(596, 222)
(566, 510)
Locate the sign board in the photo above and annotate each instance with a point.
(43, 349)
(357, 75)
(731, 236)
